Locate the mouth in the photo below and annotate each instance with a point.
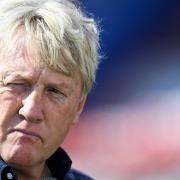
(27, 133)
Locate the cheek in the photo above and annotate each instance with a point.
(58, 122)
(61, 114)
(8, 109)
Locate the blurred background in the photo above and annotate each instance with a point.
(130, 129)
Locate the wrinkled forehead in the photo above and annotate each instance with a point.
(19, 55)
(34, 51)
(20, 64)
(42, 50)
(17, 63)
(18, 47)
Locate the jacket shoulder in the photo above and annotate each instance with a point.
(74, 174)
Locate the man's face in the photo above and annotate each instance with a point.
(37, 108)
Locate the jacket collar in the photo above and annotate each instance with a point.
(59, 164)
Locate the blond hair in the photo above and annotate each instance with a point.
(68, 40)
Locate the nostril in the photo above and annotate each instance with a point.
(30, 118)
(21, 116)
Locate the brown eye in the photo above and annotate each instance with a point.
(55, 91)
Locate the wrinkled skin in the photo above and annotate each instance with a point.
(37, 107)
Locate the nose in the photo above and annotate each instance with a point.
(31, 109)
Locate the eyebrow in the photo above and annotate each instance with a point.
(29, 77)
(25, 76)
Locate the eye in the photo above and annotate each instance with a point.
(17, 87)
(14, 84)
(55, 91)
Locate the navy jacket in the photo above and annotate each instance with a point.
(59, 164)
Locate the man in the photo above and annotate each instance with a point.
(48, 60)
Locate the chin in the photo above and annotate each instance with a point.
(20, 156)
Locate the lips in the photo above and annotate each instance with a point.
(26, 132)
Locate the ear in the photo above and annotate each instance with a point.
(80, 108)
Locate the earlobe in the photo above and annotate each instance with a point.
(80, 108)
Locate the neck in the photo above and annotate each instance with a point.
(32, 173)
